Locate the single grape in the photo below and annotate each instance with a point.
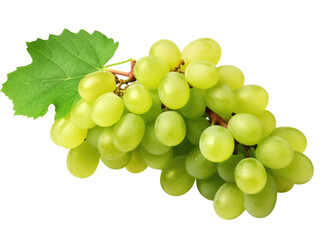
(128, 132)
(106, 146)
(251, 99)
(274, 152)
(209, 186)
(201, 49)
(174, 90)
(155, 108)
(136, 165)
(54, 132)
(151, 143)
(250, 175)
(231, 76)
(80, 115)
(246, 128)
(299, 171)
(156, 161)
(294, 136)
(170, 128)
(183, 148)
(198, 166)
(221, 99)
(137, 98)
(226, 168)
(95, 84)
(282, 184)
(118, 163)
(268, 121)
(150, 70)
(167, 51)
(202, 74)
(107, 110)
(262, 203)
(83, 160)
(93, 135)
(228, 201)
(195, 129)
(174, 179)
(216, 143)
(69, 136)
(196, 105)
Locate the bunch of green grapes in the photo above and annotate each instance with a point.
(194, 121)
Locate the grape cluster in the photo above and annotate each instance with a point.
(196, 122)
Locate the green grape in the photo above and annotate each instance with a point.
(80, 115)
(93, 135)
(299, 171)
(151, 143)
(150, 70)
(228, 201)
(268, 122)
(274, 152)
(262, 203)
(136, 165)
(174, 179)
(246, 128)
(54, 132)
(156, 161)
(106, 146)
(250, 175)
(183, 148)
(167, 51)
(221, 99)
(251, 99)
(195, 129)
(118, 163)
(155, 108)
(201, 49)
(294, 136)
(226, 168)
(202, 91)
(231, 76)
(128, 132)
(137, 98)
(170, 128)
(83, 160)
(95, 84)
(202, 74)
(209, 186)
(196, 105)
(282, 184)
(107, 110)
(174, 90)
(216, 143)
(198, 166)
(69, 136)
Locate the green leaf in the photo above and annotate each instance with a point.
(58, 65)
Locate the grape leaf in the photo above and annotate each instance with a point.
(58, 65)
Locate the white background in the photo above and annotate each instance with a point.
(276, 45)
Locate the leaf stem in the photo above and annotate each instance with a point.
(118, 63)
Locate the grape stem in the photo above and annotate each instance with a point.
(215, 118)
(130, 75)
(246, 151)
(176, 68)
(121, 82)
